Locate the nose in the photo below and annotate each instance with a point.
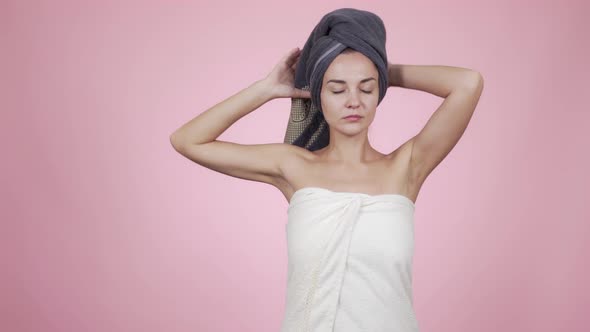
(353, 100)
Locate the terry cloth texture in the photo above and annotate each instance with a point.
(349, 262)
(343, 28)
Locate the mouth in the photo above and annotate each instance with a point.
(352, 117)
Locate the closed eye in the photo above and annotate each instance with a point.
(337, 92)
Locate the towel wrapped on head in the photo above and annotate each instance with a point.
(338, 30)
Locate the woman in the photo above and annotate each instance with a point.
(350, 230)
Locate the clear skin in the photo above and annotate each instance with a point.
(346, 161)
(349, 141)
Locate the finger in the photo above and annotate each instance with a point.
(287, 57)
(292, 58)
(302, 93)
(293, 52)
(295, 64)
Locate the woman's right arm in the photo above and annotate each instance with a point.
(197, 139)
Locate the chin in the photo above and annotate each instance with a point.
(351, 129)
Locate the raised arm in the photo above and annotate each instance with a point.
(197, 139)
(460, 88)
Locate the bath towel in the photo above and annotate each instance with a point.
(343, 28)
(349, 262)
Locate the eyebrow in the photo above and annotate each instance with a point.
(341, 81)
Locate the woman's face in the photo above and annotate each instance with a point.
(350, 86)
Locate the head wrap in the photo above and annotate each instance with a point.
(343, 28)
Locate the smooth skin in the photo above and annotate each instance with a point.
(349, 163)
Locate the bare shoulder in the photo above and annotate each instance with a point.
(401, 163)
(294, 161)
(300, 167)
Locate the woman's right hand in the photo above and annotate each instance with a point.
(281, 79)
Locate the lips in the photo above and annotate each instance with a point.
(353, 116)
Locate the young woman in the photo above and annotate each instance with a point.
(349, 163)
(351, 207)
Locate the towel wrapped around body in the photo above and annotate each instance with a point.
(343, 28)
(350, 262)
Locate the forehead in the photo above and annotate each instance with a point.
(351, 67)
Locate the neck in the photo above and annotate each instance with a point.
(349, 149)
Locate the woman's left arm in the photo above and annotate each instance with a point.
(461, 89)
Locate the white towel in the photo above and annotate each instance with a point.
(349, 262)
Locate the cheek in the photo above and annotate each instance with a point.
(330, 110)
(329, 103)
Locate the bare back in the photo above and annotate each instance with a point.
(383, 174)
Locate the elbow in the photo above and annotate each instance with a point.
(176, 141)
(473, 81)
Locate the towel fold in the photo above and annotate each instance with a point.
(343, 28)
(349, 262)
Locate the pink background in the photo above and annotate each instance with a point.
(106, 228)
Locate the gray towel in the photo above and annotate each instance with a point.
(343, 28)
